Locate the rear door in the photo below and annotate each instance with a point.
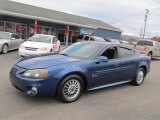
(156, 48)
(128, 63)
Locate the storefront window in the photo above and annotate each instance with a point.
(70, 37)
(53, 31)
(47, 30)
(1, 26)
(40, 30)
(31, 30)
(10, 27)
(61, 35)
(21, 30)
(74, 36)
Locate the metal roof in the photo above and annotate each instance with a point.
(32, 12)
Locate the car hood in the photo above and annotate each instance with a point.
(35, 44)
(44, 61)
(3, 41)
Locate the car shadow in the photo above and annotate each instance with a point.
(108, 89)
(36, 100)
(156, 59)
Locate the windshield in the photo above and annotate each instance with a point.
(40, 38)
(82, 50)
(142, 42)
(4, 35)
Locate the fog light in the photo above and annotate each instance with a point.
(34, 91)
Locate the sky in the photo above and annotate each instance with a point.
(128, 15)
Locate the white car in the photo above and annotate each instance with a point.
(39, 44)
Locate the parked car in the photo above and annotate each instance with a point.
(112, 40)
(9, 41)
(81, 66)
(89, 38)
(148, 47)
(124, 42)
(39, 44)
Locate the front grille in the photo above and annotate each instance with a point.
(14, 70)
(31, 49)
(17, 70)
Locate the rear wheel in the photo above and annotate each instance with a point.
(59, 49)
(4, 48)
(150, 54)
(70, 88)
(139, 77)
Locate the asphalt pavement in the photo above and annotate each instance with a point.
(123, 102)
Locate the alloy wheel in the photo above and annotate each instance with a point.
(71, 89)
(5, 49)
(140, 76)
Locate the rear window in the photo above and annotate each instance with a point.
(142, 42)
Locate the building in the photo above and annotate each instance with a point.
(21, 19)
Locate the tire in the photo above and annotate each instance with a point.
(70, 89)
(59, 49)
(139, 78)
(150, 54)
(4, 48)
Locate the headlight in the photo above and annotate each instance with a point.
(36, 73)
(43, 49)
(22, 47)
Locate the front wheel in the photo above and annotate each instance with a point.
(139, 77)
(4, 49)
(70, 88)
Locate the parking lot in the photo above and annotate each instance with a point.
(124, 102)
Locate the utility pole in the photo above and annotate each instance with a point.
(141, 33)
(145, 21)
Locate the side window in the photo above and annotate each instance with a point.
(17, 37)
(54, 40)
(157, 44)
(13, 37)
(86, 38)
(110, 53)
(124, 52)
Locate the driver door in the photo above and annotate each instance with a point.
(12, 44)
(104, 73)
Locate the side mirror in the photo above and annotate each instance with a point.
(101, 59)
(12, 38)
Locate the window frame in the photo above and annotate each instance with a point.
(110, 46)
(14, 35)
(119, 54)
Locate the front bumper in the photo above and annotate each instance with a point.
(0, 48)
(24, 52)
(31, 87)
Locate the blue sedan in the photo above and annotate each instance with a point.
(82, 66)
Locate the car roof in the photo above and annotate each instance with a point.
(101, 43)
(146, 40)
(7, 32)
(109, 44)
(44, 35)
